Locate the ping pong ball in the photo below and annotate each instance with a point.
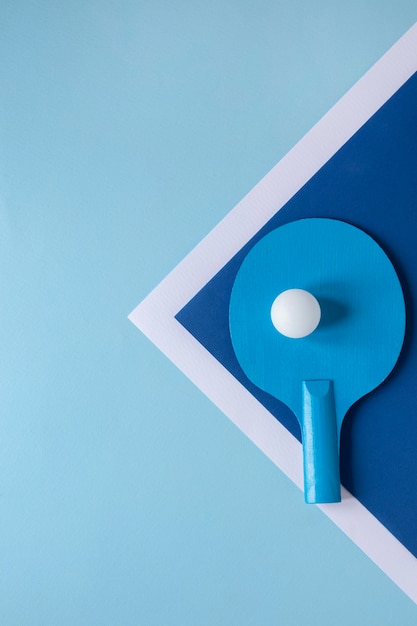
(295, 313)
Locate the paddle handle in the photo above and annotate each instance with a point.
(320, 443)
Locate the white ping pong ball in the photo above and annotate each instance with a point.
(295, 313)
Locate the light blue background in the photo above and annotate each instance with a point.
(127, 131)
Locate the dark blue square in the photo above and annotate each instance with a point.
(371, 182)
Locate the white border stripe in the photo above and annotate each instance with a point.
(155, 315)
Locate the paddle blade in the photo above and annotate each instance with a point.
(361, 331)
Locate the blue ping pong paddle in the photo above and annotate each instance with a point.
(320, 372)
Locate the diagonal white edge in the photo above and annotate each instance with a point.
(154, 316)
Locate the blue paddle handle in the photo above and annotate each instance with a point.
(320, 443)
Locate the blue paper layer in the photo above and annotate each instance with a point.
(371, 182)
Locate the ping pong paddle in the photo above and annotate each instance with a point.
(321, 371)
